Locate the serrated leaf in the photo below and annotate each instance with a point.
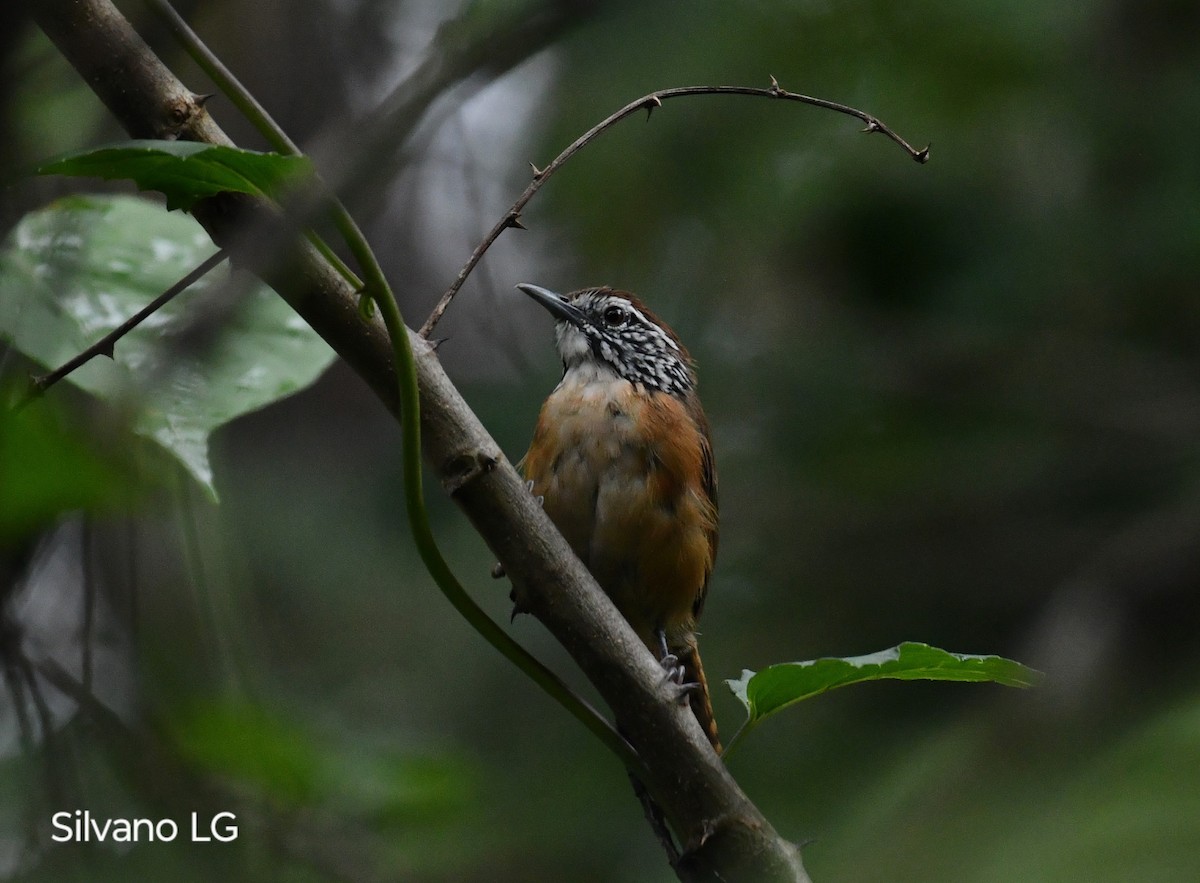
(776, 687)
(187, 171)
(74, 271)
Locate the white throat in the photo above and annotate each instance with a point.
(588, 372)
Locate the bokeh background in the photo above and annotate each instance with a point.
(956, 403)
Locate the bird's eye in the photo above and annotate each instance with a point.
(615, 316)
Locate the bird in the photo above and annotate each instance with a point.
(622, 461)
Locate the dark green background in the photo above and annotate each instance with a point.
(956, 403)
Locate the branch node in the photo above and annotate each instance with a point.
(181, 109)
(464, 468)
(872, 126)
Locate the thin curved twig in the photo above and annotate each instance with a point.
(512, 217)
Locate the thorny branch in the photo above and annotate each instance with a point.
(106, 345)
(512, 218)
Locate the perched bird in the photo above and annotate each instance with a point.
(622, 459)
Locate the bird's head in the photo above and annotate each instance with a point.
(609, 330)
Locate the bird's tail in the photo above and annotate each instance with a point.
(699, 698)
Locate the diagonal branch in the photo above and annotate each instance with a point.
(725, 836)
(105, 345)
(512, 217)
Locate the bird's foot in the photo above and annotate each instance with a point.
(675, 673)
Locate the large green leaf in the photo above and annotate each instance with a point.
(776, 687)
(74, 271)
(186, 171)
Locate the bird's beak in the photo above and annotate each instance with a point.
(556, 304)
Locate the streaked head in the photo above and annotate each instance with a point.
(614, 330)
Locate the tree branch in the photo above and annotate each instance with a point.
(725, 837)
(512, 217)
(106, 345)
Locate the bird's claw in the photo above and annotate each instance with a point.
(670, 665)
(675, 674)
(541, 498)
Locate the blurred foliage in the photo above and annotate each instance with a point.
(955, 403)
(80, 268)
(47, 469)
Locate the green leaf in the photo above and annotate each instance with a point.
(293, 765)
(74, 271)
(248, 743)
(47, 469)
(187, 171)
(776, 687)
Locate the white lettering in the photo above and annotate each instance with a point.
(60, 821)
(229, 832)
(100, 832)
(81, 827)
(224, 833)
(123, 831)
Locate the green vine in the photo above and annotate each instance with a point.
(375, 288)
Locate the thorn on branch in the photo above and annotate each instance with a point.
(652, 102)
(201, 99)
(537, 173)
(514, 220)
(922, 155)
(872, 126)
(519, 608)
(436, 342)
(775, 88)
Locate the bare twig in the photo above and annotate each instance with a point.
(512, 218)
(106, 345)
